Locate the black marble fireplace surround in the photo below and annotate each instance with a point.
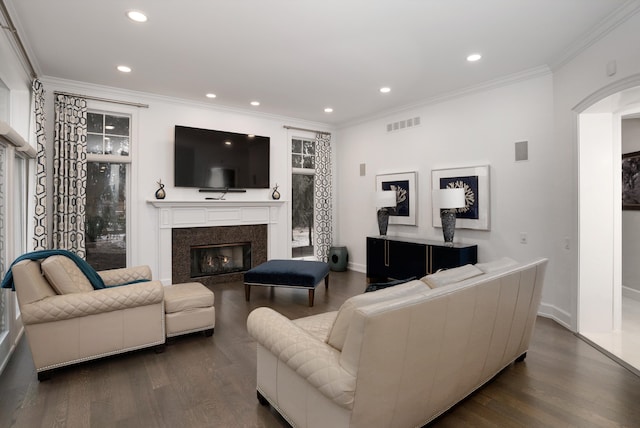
(183, 239)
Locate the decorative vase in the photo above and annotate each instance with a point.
(275, 195)
(448, 218)
(160, 193)
(383, 221)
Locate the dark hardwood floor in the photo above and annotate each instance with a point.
(210, 381)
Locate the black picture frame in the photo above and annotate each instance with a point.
(631, 181)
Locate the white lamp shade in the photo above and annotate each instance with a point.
(385, 198)
(451, 198)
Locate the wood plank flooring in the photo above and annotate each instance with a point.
(210, 382)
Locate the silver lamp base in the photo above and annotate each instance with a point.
(448, 218)
(383, 221)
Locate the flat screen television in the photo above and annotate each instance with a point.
(209, 159)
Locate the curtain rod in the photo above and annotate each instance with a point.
(12, 29)
(305, 129)
(106, 100)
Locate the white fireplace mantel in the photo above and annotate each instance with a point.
(208, 213)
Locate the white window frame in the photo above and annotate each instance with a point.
(301, 171)
(14, 245)
(132, 113)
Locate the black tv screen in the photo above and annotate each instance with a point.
(210, 159)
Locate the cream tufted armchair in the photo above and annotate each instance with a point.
(67, 321)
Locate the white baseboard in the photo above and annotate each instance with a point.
(357, 267)
(558, 315)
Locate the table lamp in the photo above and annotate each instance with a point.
(449, 200)
(385, 199)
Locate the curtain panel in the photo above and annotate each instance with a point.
(69, 173)
(40, 215)
(322, 198)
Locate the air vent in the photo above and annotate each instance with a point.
(522, 151)
(403, 124)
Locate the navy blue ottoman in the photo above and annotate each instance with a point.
(288, 273)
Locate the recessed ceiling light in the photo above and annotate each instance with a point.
(385, 89)
(137, 16)
(474, 57)
(124, 69)
(328, 110)
(210, 95)
(228, 143)
(255, 103)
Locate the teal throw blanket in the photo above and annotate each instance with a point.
(91, 274)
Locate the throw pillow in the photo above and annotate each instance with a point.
(64, 275)
(450, 276)
(382, 285)
(496, 265)
(338, 332)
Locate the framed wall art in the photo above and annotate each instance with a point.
(631, 181)
(475, 181)
(404, 185)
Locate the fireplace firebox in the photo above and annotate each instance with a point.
(220, 259)
(217, 254)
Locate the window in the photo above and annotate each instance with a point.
(303, 170)
(14, 166)
(108, 166)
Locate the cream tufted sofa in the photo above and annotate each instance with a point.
(67, 321)
(401, 356)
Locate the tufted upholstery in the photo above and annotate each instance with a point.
(304, 353)
(63, 329)
(125, 275)
(405, 359)
(62, 307)
(64, 276)
(318, 325)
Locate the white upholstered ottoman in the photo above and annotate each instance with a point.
(188, 308)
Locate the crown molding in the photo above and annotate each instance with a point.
(510, 79)
(606, 26)
(132, 96)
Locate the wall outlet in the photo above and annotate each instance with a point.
(523, 238)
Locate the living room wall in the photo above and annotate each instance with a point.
(475, 129)
(538, 197)
(153, 149)
(16, 79)
(585, 78)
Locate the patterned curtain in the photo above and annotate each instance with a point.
(69, 173)
(322, 198)
(40, 217)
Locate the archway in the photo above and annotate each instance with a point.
(599, 299)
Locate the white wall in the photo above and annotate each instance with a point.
(581, 79)
(631, 218)
(153, 155)
(476, 129)
(17, 80)
(539, 197)
(599, 163)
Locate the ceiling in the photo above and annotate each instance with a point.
(298, 57)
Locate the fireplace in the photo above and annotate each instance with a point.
(220, 259)
(217, 254)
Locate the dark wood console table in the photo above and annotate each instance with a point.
(401, 258)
